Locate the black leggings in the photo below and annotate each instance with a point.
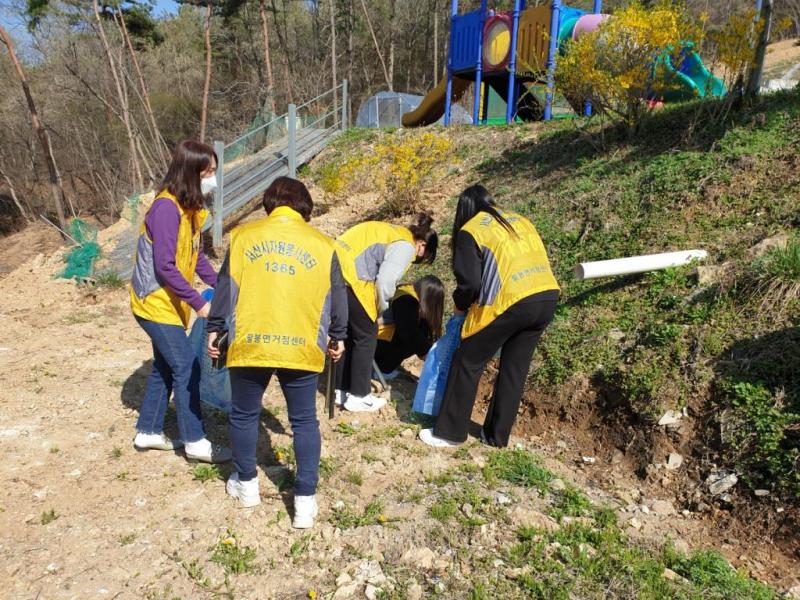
(517, 331)
(354, 371)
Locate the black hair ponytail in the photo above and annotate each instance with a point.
(421, 230)
(473, 200)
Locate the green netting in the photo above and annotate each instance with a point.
(80, 260)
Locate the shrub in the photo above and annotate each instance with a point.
(398, 168)
(613, 66)
(757, 431)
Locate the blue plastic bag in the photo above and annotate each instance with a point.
(433, 378)
(215, 384)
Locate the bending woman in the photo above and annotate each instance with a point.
(168, 255)
(281, 290)
(374, 257)
(508, 292)
(410, 325)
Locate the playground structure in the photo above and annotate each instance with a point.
(480, 53)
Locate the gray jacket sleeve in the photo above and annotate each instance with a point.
(398, 257)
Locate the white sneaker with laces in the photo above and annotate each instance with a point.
(204, 451)
(155, 441)
(305, 510)
(368, 403)
(245, 491)
(426, 435)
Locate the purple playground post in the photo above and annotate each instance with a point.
(448, 102)
(555, 19)
(512, 65)
(479, 67)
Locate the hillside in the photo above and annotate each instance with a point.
(583, 504)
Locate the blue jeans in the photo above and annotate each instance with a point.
(299, 389)
(176, 370)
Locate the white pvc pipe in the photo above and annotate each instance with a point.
(637, 264)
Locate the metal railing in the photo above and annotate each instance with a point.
(251, 162)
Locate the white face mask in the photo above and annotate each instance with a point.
(208, 184)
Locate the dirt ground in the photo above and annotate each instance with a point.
(83, 515)
(781, 57)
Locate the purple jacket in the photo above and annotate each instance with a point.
(162, 222)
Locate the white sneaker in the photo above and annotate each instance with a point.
(305, 509)
(426, 435)
(368, 403)
(338, 397)
(155, 441)
(204, 451)
(245, 491)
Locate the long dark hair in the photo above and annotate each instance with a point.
(473, 200)
(183, 176)
(430, 291)
(285, 191)
(421, 230)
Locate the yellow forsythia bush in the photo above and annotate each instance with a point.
(398, 168)
(613, 66)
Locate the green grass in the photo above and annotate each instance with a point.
(570, 502)
(232, 556)
(110, 280)
(48, 516)
(355, 478)
(348, 518)
(203, 473)
(345, 429)
(518, 467)
(328, 465)
(127, 539)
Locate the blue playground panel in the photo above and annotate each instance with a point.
(468, 34)
(466, 37)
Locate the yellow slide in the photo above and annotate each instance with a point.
(432, 107)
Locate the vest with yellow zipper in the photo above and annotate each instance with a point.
(280, 270)
(361, 250)
(151, 301)
(513, 267)
(387, 328)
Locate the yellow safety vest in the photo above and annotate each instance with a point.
(280, 270)
(151, 301)
(361, 250)
(514, 267)
(387, 328)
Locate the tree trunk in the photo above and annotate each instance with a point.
(262, 10)
(435, 46)
(56, 187)
(350, 27)
(123, 103)
(754, 80)
(392, 19)
(287, 69)
(333, 61)
(158, 140)
(377, 46)
(207, 81)
(14, 196)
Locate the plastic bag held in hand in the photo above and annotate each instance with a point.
(215, 384)
(433, 378)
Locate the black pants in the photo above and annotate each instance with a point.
(390, 355)
(354, 371)
(517, 331)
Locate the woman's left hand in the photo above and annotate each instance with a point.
(213, 352)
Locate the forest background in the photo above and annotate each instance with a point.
(117, 84)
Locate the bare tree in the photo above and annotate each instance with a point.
(158, 140)
(754, 79)
(207, 80)
(12, 190)
(377, 46)
(56, 187)
(123, 101)
(333, 57)
(262, 11)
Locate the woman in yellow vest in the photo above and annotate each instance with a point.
(374, 257)
(281, 298)
(508, 292)
(410, 325)
(168, 254)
